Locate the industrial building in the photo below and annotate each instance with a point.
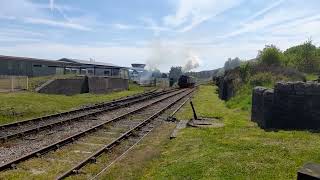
(32, 67)
(136, 72)
(92, 68)
(22, 66)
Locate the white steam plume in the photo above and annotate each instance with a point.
(165, 55)
(193, 62)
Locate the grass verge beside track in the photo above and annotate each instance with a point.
(240, 150)
(25, 105)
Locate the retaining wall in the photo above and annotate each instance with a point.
(69, 86)
(226, 89)
(292, 105)
(228, 83)
(84, 85)
(103, 85)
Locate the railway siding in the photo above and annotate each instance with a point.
(85, 144)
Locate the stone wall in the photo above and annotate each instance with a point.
(227, 84)
(291, 105)
(226, 89)
(80, 85)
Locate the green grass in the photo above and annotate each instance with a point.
(35, 82)
(24, 105)
(240, 150)
(312, 77)
(243, 98)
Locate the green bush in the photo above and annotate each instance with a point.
(243, 98)
(245, 71)
(271, 55)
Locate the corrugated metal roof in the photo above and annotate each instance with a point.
(87, 62)
(14, 58)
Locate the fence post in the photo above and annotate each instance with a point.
(27, 83)
(11, 83)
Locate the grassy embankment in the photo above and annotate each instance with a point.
(243, 98)
(24, 105)
(240, 150)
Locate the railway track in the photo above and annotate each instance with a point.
(75, 137)
(23, 128)
(132, 135)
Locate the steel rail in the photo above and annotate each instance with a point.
(117, 141)
(76, 118)
(73, 138)
(135, 144)
(95, 106)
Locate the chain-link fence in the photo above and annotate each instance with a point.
(13, 83)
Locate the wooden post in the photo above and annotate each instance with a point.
(27, 83)
(12, 83)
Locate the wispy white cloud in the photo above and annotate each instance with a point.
(154, 26)
(190, 13)
(124, 26)
(28, 12)
(111, 54)
(276, 14)
(17, 39)
(51, 4)
(265, 10)
(56, 23)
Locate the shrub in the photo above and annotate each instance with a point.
(245, 71)
(271, 55)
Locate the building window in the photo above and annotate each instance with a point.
(10, 65)
(37, 65)
(115, 72)
(107, 72)
(90, 71)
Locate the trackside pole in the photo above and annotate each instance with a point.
(194, 111)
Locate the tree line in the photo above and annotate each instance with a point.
(304, 57)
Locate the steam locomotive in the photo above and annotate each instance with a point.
(185, 81)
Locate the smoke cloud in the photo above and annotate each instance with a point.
(165, 55)
(193, 62)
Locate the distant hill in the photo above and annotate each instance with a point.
(204, 74)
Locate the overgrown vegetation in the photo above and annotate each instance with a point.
(304, 57)
(24, 105)
(243, 96)
(298, 63)
(270, 55)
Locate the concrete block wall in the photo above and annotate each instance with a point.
(225, 88)
(81, 85)
(292, 105)
(106, 84)
(69, 86)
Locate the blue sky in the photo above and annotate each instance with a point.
(161, 33)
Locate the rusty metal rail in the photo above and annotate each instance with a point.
(117, 141)
(107, 107)
(95, 106)
(73, 138)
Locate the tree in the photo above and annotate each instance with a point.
(175, 73)
(304, 57)
(270, 55)
(245, 71)
(308, 57)
(164, 75)
(232, 63)
(156, 73)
